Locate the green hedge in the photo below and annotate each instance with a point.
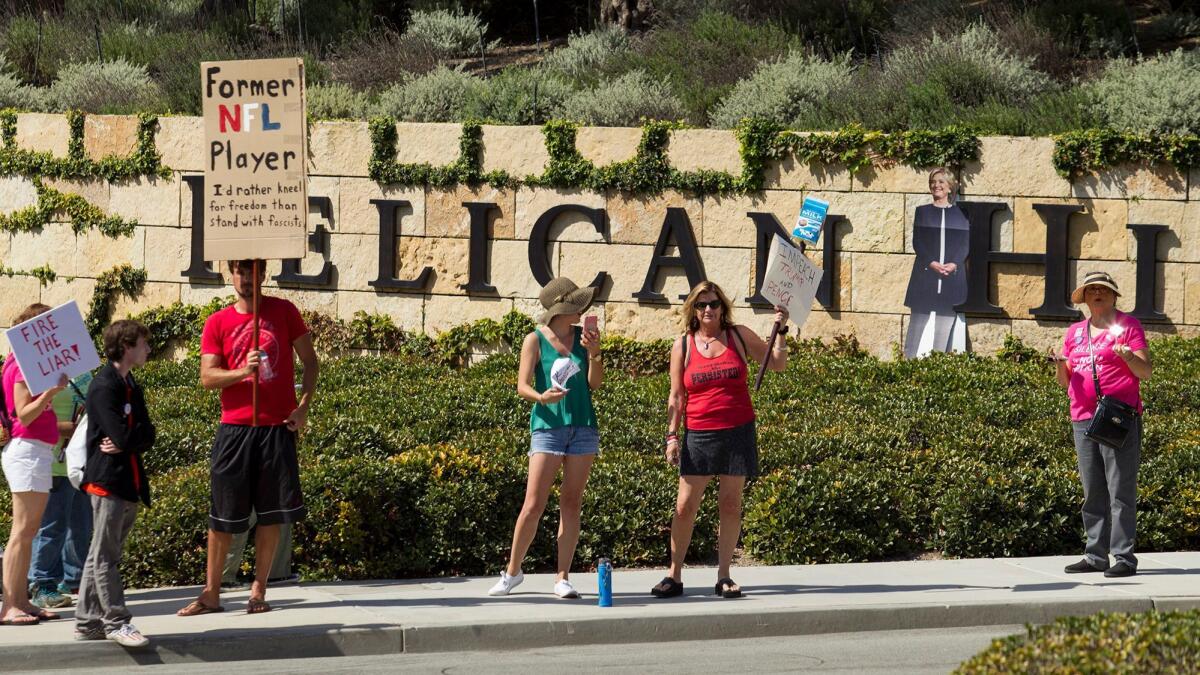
(415, 467)
(1150, 642)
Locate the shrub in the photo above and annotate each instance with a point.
(1149, 642)
(116, 87)
(519, 96)
(971, 68)
(782, 91)
(590, 57)
(336, 101)
(451, 33)
(380, 58)
(623, 102)
(702, 59)
(1158, 93)
(13, 94)
(442, 95)
(38, 61)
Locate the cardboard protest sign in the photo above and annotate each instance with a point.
(791, 280)
(50, 344)
(256, 138)
(812, 216)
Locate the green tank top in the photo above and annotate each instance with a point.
(575, 409)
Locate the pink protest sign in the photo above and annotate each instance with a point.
(50, 344)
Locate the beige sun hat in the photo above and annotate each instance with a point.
(1094, 279)
(562, 296)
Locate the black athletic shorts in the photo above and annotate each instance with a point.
(254, 468)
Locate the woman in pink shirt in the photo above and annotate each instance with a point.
(1107, 350)
(26, 460)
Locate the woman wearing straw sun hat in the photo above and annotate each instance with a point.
(1105, 357)
(560, 366)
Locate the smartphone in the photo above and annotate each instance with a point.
(591, 323)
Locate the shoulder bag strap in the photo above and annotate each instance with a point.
(686, 338)
(1092, 353)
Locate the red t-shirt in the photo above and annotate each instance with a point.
(230, 335)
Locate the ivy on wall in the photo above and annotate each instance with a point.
(1094, 150)
(84, 215)
(649, 170)
(44, 274)
(121, 280)
(143, 161)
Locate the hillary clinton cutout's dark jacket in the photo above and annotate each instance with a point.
(923, 293)
(116, 408)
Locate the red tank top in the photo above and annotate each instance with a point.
(718, 396)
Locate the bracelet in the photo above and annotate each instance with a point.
(672, 434)
(597, 358)
(785, 329)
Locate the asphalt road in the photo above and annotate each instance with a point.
(890, 652)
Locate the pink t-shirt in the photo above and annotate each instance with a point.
(45, 427)
(1116, 379)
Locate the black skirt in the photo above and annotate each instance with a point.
(721, 452)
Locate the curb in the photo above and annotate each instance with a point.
(302, 642)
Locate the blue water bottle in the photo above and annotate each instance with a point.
(604, 573)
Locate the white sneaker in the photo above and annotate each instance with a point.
(507, 583)
(128, 636)
(564, 589)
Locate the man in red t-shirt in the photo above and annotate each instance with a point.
(253, 467)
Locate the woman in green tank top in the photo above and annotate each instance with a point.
(560, 367)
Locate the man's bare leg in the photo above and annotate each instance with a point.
(218, 548)
(266, 538)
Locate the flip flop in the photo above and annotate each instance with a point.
(257, 606)
(22, 620)
(44, 615)
(724, 588)
(667, 588)
(196, 608)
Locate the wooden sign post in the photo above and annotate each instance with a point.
(256, 135)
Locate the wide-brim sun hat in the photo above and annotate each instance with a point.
(1094, 279)
(562, 296)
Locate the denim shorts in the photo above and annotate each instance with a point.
(572, 440)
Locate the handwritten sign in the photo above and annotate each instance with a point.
(255, 135)
(812, 216)
(50, 344)
(791, 280)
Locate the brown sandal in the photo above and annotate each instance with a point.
(257, 606)
(196, 608)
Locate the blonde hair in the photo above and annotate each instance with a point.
(690, 323)
(948, 175)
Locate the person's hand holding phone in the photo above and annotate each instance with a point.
(551, 395)
(591, 335)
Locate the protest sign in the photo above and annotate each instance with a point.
(255, 133)
(50, 344)
(812, 216)
(791, 280)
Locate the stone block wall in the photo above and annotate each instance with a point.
(873, 242)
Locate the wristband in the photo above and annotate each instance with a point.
(784, 330)
(672, 434)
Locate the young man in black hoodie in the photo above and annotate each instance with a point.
(119, 431)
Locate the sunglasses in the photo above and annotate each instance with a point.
(711, 304)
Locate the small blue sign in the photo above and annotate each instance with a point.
(812, 217)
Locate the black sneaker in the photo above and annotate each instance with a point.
(1121, 569)
(1082, 567)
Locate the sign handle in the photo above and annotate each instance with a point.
(254, 390)
(762, 367)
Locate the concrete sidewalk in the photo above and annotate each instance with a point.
(455, 614)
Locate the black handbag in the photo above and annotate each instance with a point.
(1114, 419)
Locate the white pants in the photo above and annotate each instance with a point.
(931, 332)
(27, 465)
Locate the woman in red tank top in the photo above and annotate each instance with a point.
(710, 392)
